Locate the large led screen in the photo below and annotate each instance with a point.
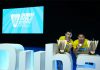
(23, 20)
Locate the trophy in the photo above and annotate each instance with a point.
(93, 46)
(61, 45)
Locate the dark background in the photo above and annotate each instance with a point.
(59, 16)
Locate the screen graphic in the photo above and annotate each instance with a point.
(23, 20)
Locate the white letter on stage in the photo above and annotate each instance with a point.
(51, 57)
(88, 62)
(11, 50)
(39, 60)
(26, 60)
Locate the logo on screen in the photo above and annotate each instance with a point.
(21, 20)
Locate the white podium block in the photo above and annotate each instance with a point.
(9, 63)
(39, 60)
(51, 57)
(88, 62)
